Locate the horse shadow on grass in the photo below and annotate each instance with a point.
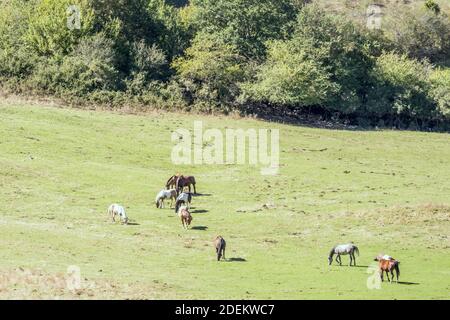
(236, 259)
(201, 194)
(133, 224)
(200, 228)
(408, 283)
(200, 211)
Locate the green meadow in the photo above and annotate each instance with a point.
(387, 191)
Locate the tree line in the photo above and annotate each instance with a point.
(264, 57)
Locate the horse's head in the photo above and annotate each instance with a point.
(157, 204)
(330, 260)
(125, 220)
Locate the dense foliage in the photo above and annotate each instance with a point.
(224, 55)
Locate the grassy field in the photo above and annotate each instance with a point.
(386, 191)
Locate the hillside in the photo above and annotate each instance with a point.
(60, 168)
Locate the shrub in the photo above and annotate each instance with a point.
(290, 77)
(88, 68)
(440, 90)
(211, 71)
(401, 88)
(48, 32)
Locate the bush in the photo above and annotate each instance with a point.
(440, 90)
(211, 72)
(290, 77)
(422, 35)
(149, 61)
(48, 32)
(401, 88)
(16, 59)
(88, 68)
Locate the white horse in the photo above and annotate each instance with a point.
(165, 194)
(117, 210)
(184, 198)
(343, 249)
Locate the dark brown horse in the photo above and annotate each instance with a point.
(183, 182)
(220, 245)
(388, 266)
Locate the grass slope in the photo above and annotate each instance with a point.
(60, 169)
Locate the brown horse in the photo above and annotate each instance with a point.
(183, 182)
(388, 266)
(185, 216)
(172, 182)
(220, 245)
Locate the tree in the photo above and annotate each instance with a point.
(211, 71)
(289, 77)
(48, 32)
(245, 24)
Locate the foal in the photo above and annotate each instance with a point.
(185, 216)
(343, 249)
(387, 264)
(220, 245)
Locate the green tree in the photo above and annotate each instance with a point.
(48, 32)
(211, 71)
(290, 77)
(246, 24)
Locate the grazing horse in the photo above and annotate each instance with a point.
(183, 182)
(387, 264)
(185, 216)
(343, 249)
(220, 245)
(165, 194)
(117, 210)
(183, 198)
(172, 182)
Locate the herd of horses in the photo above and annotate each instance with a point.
(175, 191)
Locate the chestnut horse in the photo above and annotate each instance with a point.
(185, 216)
(388, 266)
(220, 245)
(183, 182)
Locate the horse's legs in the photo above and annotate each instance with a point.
(354, 258)
(351, 260)
(387, 275)
(381, 275)
(338, 259)
(195, 191)
(223, 255)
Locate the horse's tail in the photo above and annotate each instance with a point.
(397, 268)
(357, 250)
